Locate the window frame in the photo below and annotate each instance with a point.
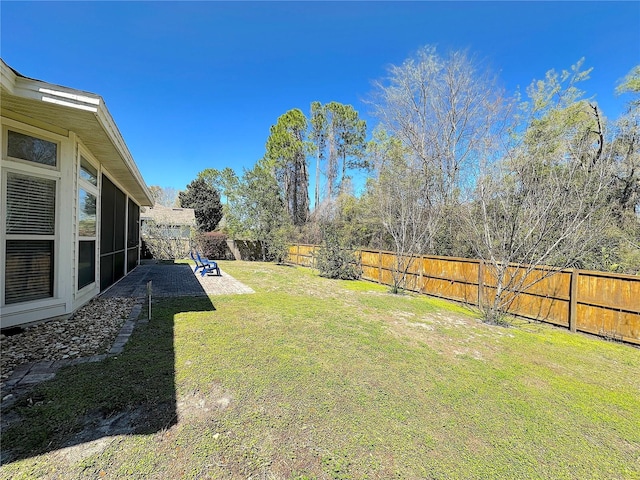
(13, 165)
(91, 164)
(90, 188)
(45, 136)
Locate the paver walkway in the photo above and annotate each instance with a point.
(174, 280)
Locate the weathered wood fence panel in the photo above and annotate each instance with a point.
(370, 263)
(609, 305)
(306, 255)
(599, 303)
(302, 255)
(451, 278)
(547, 299)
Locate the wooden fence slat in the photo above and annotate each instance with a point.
(480, 283)
(573, 300)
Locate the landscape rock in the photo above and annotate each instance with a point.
(91, 330)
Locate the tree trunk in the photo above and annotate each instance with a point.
(317, 195)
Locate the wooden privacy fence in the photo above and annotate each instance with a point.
(599, 303)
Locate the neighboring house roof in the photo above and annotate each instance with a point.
(63, 109)
(169, 215)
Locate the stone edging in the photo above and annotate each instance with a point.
(29, 374)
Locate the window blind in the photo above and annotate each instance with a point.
(31, 204)
(29, 270)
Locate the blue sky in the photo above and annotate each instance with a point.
(193, 85)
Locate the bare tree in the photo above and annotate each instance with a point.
(545, 201)
(165, 240)
(404, 204)
(626, 146)
(445, 111)
(442, 115)
(166, 196)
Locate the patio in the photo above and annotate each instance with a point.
(174, 280)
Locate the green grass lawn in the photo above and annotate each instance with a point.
(314, 378)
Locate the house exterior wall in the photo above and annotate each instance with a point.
(71, 235)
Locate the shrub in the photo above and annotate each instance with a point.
(277, 244)
(165, 241)
(333, 260)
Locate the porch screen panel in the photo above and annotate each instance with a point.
(118, 263)
(106, 217)
(112, 237)
(106, 271)
(132, 258)
(120, 219)
(133, 235)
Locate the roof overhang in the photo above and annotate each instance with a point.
(162, 215)
(83, 113)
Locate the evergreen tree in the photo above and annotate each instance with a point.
(205, 200)
(286, 154)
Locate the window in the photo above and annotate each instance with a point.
(30, 229)
(88, 172)
(31, 203)
(87, 222)
(29, 270)
(32, 149)
(86, 214)
(87, 242)
(86, 263)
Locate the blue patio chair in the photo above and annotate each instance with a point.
(204, 264)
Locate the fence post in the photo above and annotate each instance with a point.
(480, 283)
(573, 300)
(149, 288)
(379, 266)
(298, 254)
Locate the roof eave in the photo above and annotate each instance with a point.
(56, 96)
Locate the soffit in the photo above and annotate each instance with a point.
(84, 114)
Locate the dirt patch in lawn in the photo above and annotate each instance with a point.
(447, 333)
(201, 405)
(101, 428)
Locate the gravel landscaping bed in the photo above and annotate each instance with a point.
(90, 331)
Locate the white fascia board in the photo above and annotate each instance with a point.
(69, 99)
(42, 92)
(32, 89)
(7, 78)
